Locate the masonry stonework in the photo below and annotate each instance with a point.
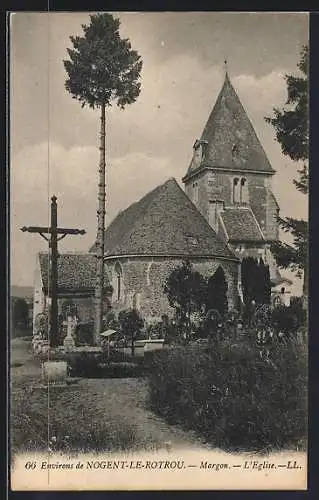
(215, 185)
(146, 278)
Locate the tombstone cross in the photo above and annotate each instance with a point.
(53, 239)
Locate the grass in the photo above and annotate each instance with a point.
(88, 415)
(77, 421)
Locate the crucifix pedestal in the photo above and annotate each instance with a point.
(52, 235)
(69, 342)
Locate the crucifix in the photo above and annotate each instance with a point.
(53, 231)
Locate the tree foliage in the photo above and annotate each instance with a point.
(186, 291)
(255, 279)
(20, 312)
(131, 323)
(292, 133)
(217, 292)
(102, 66)
(291, 122)
(293, 256)
(263, 288)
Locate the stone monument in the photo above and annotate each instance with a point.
(69, 342)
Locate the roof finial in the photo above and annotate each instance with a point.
(225, 67)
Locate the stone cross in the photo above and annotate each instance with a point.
(53, 231)
(71, 325)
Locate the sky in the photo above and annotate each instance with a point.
(54, 142)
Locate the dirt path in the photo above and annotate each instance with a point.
(121, 400)
(128, 397)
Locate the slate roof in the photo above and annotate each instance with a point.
(274, 199)
(76, 271)
(231, 140)
(241, 225)
(163, 223)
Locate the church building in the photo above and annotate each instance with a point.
(152, 237)
(226, 211)
(229, 180)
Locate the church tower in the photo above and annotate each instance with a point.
(229, 180)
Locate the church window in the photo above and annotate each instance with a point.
(195, 195)
(192, 240)
(148, 272)
(211, 180)
(236, 190)
(276, 301)
(243, 190)
(136, 301)
(235, 149)
(214, 208)
(197, 155)
(118, 281)
(283, 290)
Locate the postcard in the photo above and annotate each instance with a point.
(159, 234)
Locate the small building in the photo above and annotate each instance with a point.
(281, 290)
(76, 284)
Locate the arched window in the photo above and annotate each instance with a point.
(243, 190)
(236, 190)
(276, 301)
(118, 281)
(136, 301)
(195, 193)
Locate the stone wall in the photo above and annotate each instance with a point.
(144, 279)
(218, 186)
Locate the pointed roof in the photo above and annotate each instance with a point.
(163, 223)
(229, 138)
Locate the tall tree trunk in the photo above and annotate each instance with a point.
(305, 288)
(132, 346)
(100, 235)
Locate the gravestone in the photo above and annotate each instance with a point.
(55, 373)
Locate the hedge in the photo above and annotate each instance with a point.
(232, 397)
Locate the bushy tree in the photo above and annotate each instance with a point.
(131, 323)
(292, 133)
(255, 279)
(256, 285)
(248, 279)
(186, 291)
(217, 292)
(102, 69)
(20, 312)
(263, 284)
(289, 319)
(212, 324)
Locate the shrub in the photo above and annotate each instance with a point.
(156, 330)
(289, 319)
(131, 324)
(232, 397)
(84, 334)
